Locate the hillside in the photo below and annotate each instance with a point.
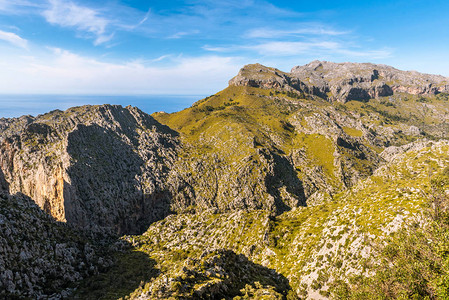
(40, 257)
(281, 186)
(310, 147)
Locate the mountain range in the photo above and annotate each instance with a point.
(281, 186)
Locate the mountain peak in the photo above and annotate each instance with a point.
(342, 81)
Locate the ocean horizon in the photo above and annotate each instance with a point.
(19, 105)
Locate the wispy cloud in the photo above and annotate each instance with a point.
(291, 48)
(285, 48)
(144, 19)
(131, 25)
(302, 30)
(81, 18)
(181, 34)
(13, 39)
(371, 54)
(161, 58)
(225, 19)
(18, 6)
(278, 48)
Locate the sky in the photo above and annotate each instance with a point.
(193, 47)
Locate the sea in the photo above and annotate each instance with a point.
(18, 105)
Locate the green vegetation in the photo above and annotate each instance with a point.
(315, 247)
(352, 131)
(442, 96)
(130, 271)
(318, 148)
(413, 263)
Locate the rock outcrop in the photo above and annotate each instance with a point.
(93, 166)
(220, 274)
(342, 81)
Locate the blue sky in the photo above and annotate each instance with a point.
(122, 47)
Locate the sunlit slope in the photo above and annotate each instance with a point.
(252, 147)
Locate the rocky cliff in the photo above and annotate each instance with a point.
(93, 166)
(343, 81)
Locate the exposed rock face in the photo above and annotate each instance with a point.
(263, 180)
(257, 75)
(98, 166)
(343, 81)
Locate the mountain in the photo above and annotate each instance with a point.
(279, 186)
(92, 166)
(310, 147)
(343, 81)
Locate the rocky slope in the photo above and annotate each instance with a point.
(93, 166)
(343, 81)
(300, 253)
(39, 257)
(246, 147)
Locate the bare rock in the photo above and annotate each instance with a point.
(342, 81)
(92, 166)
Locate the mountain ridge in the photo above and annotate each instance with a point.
(343, 81)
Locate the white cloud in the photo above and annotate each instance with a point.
(292, 48)
(304, 30)
(372, 54)
(181, 34)
(13, 39)
(278, 48)
(281, 49)
(84, 19)
(18, 6)
(64, 72)
(317, 48)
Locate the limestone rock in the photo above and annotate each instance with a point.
(343, 81)
(93, 166)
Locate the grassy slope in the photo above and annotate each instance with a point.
(235, 122)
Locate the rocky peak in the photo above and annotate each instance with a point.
(343, 81)
(257, 75)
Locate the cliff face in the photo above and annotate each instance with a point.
(343, 81)
(99, 166)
